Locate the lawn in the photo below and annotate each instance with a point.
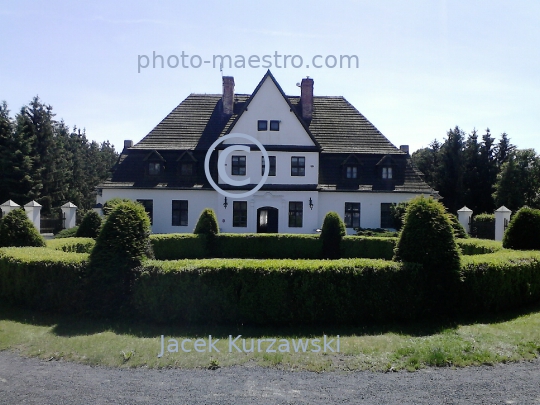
(511, 336)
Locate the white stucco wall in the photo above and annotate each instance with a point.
(370, 205)
(269, 104)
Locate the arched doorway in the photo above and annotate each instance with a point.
(267, 220)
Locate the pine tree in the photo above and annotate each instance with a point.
(450, 170)
(6, 151)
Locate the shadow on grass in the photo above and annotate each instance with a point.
(70, 325)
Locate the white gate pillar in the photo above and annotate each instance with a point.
(8, 206)
(69, 215)
(464, 218)
(33, 211)
(502, 217)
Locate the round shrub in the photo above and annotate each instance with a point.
(121, 245)
(18, 230)
(207, 223)
(89, 227)
(523, 232)
(397, 212)
(427, 238)
(459, 231)
(333, 231)
(112, 203)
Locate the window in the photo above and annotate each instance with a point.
(386, 172)
(262, 125)
(351, 172)
(149, 208)
(274, 125)
(240, 214)
(154, 168)
(179, 213)
(239, 165)
(298, 166)
(352, 215)
(272, 171)
(296, 209)
(386, 216)
(186, 169)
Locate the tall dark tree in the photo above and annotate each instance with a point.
(427, 160)
(518, 183)
(450, 170)
(6, 151)
(488, 174)
(472, 168)
(504, 149)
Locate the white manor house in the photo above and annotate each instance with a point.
(324, 155)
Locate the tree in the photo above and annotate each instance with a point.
(450, 170)
(504, 149)
(6, 151)
(472, 179)
(518, 183)
(427, 161)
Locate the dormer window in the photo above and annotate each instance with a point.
(274, 125)
(154, 164)
(262, 125)
(186, 169)
(154, 168)
(386, 172)
(351, 172)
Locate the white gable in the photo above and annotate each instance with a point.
(268, 104)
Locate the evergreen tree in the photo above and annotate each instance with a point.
(450, 170)
(504, 149)
(6, 151)
(488, 174)
(472, 169)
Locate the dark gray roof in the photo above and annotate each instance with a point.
(198, 121)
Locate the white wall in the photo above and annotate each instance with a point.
(268, 104)
(370, 205)
(283, 167)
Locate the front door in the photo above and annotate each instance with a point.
(267, 220)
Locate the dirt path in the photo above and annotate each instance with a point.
(32, 381)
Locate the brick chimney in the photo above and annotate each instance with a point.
(306, 98)
(128, 143)
(228, 95)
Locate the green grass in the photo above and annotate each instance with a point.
(509, 337)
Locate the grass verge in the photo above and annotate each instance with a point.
(512, 336)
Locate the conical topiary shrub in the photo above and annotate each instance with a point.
(427, 238)
(90, 225)
(122, 244)
(333, 231)
(17, 230)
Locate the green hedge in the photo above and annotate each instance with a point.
(276, 292)
(42, 278)
(74, 245)
(499, 281)
(289, 246)
(478, 246)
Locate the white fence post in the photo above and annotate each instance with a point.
(8, 206)
(69, 215)
(502, 218)
(464, 218)
(33, 211)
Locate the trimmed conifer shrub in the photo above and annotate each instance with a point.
(89, 227)
(112, 203)
(121, 246)
(523, 232)
(459, 231)
(333, 231)
(427, 238)
(207, 223)
(17, 230)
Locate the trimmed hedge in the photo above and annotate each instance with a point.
(42, 278)
(499, 281)
(289, 246)
(74, 245)
(273, 292)
(276, 292)
(523, 232)
(470, 247)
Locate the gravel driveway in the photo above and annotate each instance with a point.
(32, 381)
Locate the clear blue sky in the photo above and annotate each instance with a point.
(424, 66)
